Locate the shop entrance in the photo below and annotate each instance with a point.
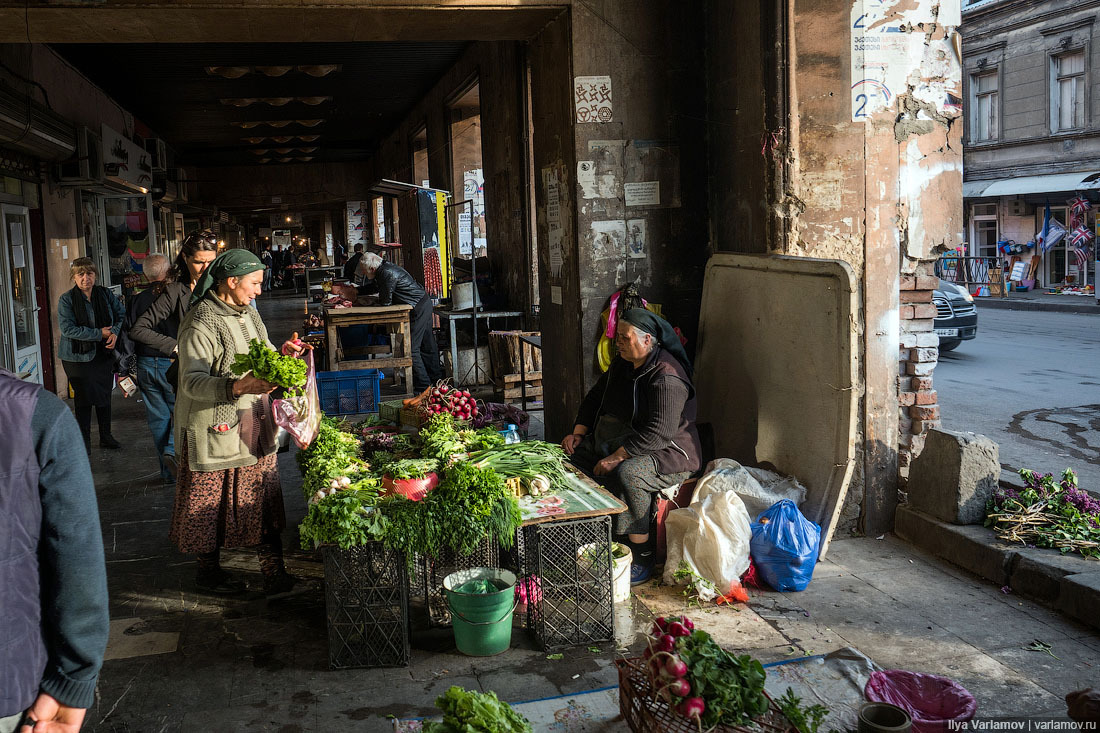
(18, 301)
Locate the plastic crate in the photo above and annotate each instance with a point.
(575, 606)
(367, 607)
(350, 392)
(644, 712)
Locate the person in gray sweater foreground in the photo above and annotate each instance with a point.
(53, 608)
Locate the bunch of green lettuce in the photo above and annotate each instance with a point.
(269, 365)
(465, 711)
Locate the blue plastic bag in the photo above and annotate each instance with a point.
(784, 546)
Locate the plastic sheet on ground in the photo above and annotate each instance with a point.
(834, 680)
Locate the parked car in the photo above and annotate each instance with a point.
(956, 316)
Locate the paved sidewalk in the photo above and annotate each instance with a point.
(182, 661)
(1040, 300)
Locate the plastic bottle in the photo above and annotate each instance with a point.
(511, 434)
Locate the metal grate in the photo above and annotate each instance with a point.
(436, 569)
(943, 308)
(571, 561)
(366, 604)
(645, 713)
(962, 308)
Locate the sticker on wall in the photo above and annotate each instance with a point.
(642, 193)
(609, 238)
(552, 181)
(592, 98)
(635, 238)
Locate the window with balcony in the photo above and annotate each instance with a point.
(1067, 92)
(984, 124)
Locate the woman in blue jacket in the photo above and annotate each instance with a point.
(91, 318)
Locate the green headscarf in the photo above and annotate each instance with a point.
(231, 263)
(661, 329)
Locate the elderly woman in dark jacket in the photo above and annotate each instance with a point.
(90, 317)
(635, 430)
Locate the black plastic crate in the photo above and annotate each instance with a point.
(434, 570)
(571, 561)
(367, 607)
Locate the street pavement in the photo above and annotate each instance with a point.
(1031, 382)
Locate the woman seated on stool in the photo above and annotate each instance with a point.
(635, 430)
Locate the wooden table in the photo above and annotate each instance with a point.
(395, 317)
(585, 499)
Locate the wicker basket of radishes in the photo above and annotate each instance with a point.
(684, 681)
(444, 397)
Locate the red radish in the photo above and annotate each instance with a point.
(666, 643)
(693, 707)
(443, 388)
(647, 653)
(688, 623)
(677, 629)
(676, 667)
(679, 687)
(661, 623)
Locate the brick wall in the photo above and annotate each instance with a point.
(917, 357)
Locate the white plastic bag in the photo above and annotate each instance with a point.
(300, 416)
(757, 487)
(711, 536)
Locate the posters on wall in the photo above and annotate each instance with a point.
(592, 98)
(552, 182)
(642, 193)
(635, 238)
(358, 220)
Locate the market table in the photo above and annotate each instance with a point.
(395, 317)
(451, 316)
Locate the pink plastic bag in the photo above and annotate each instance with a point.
(300, 416)
(930, 700)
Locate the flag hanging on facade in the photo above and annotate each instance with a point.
(1081, 237)
(1082, 256)
(1079, 205)
(1052, 233)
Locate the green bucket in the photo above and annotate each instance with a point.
(482, 621)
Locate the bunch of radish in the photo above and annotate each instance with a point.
(445, 398)
(667, 671)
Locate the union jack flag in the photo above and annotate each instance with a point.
(1079, 205)
(1081, 237)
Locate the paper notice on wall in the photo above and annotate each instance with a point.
(555, 294)
(554, 229)
(887, 45)
(358, 221)
(465, 233)
(18, 258)
(592, 98)
(635, 238)
(608, 238)
(586, 179)
(642, 193)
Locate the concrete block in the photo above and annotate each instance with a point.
(954, 475)
(1079, 597)
(1039, 573)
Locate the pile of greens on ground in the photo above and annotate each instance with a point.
(465, 711)
(807, 719)
(269, 365)
(1047, 513)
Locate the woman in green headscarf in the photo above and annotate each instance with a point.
(227, 491)
(635, 430)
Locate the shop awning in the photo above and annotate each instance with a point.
(1054, 183)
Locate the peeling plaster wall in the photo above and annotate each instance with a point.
(884, 194)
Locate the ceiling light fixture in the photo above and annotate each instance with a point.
(319, 70)
(306, 159)
(249, 124)
(253, 140)
(285, 160)
(284, 151)
(259, 151)
(282, 139)
(314, 101)
(228, 72)
(309, 138)
(273, 71)
(307, 150)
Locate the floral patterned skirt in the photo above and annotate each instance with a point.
(230, 508)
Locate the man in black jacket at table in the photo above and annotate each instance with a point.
(397, 287)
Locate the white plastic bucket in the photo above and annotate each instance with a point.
(620, 569)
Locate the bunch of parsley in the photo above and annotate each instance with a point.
(269, 365)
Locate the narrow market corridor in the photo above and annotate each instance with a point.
(183, 661)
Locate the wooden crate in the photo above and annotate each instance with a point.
(511, 386)
(504, 353)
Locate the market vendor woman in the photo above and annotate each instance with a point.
(227, 491)
(635, 430)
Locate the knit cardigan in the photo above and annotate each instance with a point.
(220, 431)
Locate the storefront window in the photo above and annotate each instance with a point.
(128, 239)
(467, 175)
(984, 227)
